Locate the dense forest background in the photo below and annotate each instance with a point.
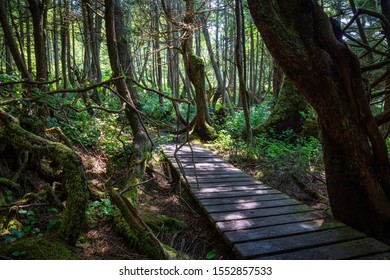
(296, 94)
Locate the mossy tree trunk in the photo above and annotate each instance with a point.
(299, 36)
(195, 69)
(38, 11)
(141, 144)
(76, 181)
(287, 113)
(114, 23)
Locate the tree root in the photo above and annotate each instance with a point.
(308, 190)
(142, 235)
(76, 182)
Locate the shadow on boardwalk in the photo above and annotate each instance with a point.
(260, 222)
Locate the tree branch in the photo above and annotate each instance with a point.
(160, 93)
(86, 88)
(383, 118)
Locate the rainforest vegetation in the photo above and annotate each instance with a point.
(295, 93)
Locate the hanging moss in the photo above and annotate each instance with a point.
(37, 248)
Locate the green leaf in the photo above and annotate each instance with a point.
(22, 211)
(18, 253)
(211, 255)
(10, 239)
(16, 233)
(27, 229)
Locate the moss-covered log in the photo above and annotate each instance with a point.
(76, 182)
(140, 234)
(37, 248)
(9, 183)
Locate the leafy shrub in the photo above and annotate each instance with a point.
(99, 210)
(151, 106)
(235, 125)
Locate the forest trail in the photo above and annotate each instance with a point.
(260, 222)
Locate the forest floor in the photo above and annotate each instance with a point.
(165, 205)
(159, 197)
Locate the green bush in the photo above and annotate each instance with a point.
(235, 125)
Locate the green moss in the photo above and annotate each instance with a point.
(195, 60)
(124, 229)
(76, 182)
(175, 255)
(132, 193)
(137, 242)
(74, 216)
(37, 248)
(204, 131)
(287, 113)
(156, 222)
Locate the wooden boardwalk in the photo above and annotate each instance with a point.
(260, 222)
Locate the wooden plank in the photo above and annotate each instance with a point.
(236, 193)
(258, 213)
(201, 160)
(206, 174)
(230, 185)
(250, 205)
(226, 181)
(308, 240)
(280, 230)
(366, 248)
(242, 199)
(220, 189)
(204, 165)
(228, 170)
(381, 256)
(268, 221)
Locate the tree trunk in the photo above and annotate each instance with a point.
(64, 38)
(55, 45)
(286, 114)
(38, 12)
(11, 43)
(220, 87)
(240, 63)
(195, 70)
(117, 49)
(300, 38)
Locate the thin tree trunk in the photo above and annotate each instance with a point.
(38, 12)
(118, 54)
(239, 54)
(64, 38)
(220, 88)
(11, 43)
(55, 45)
